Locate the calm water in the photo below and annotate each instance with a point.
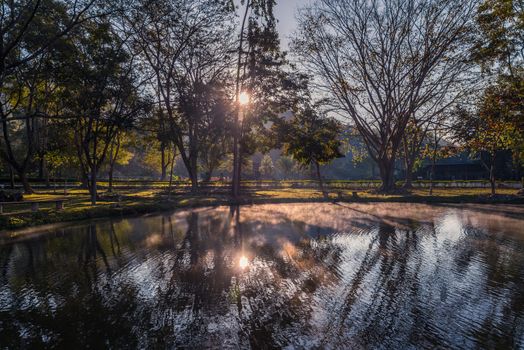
(392, 276)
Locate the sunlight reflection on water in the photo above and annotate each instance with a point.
(301, 275)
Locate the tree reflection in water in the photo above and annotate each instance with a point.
(308, 275)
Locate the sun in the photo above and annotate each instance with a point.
(243, 98)
(243, 262)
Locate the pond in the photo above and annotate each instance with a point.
(299, 276)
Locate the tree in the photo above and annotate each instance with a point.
(433, 150)
(216, 129)
(30, 34)
(23, 19)
(500, 43)
(266, 168)
(260, 73)
(158, 129)
(312, 139)
(183, 45)
(486, 132)
(286, 165)
(102, 95)
(411, 148)
(383, 62)
(118, 154)
(204, 101)
(500, 49)
(147, 150)
(421, 130)
(504, 100)
(60, 156)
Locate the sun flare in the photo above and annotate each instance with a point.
(243, 262)
(243, 98)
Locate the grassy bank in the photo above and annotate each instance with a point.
(137, 201)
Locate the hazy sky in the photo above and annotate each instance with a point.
(285, 13)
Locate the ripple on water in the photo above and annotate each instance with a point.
(303, 276)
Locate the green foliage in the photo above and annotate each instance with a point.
(286, 165)
(226, 166)
(311, 138)
(501, 40)
(267, 169)
(504, 102)
(101, 95)
(273, 87)
(498, 123)
(439, 152)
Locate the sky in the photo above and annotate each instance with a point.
(285, 13)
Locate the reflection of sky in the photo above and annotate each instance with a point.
(398, 275)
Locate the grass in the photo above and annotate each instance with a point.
(142, 201)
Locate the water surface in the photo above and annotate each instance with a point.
(360, 276)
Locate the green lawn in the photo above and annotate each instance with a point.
(138, 201)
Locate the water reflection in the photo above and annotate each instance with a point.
(269, 276)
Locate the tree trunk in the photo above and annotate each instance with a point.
(239, 166)
(110, 178)
(319, 177)
(113, 156)
(43, 173)
(110, 172)
(436, 140)
(171, 174)
(11, 177)
(387, 175)
(194, 172)
(237, 160)
(237, 135)
(432, 172)
(412, 150)
(492, 178)
(163, 159)
(491, 171)
(194, 184)
(408, 165)
(41, 168)
(84, 181)
(408, 181)
(92, 188)
(25, 182)
(236, 165)
(46, 175)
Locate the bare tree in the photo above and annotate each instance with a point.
(383, 61)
